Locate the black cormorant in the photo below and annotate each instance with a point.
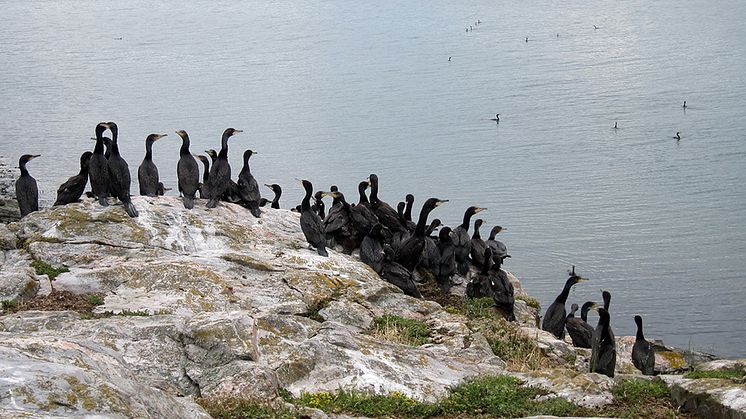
(677, 137)
(502, 288)
(371, 250)
(478, 245)
(684, 106)
(147, 173)
(386, 215)
(187, 172)
(603, 347)
(278, 193)
(396, 274)
(338, 224)
(206, 174)
(213, 155)
(554, 318)
(403, 234)
(643, 354)
(318, 204)
(446, 264)
(496, 118)
(73, 188)
(480, 285)
(410, 251)
(248, 187)
(98, 167)
(409, 199)
(615, 125)
(579, 330)
(606, 295)
(430, 254)
(220, 173)
(27, 193)
(310, 222)
(119, 173)
(499, 250)
(361, 187)
(161, 189)
(462, 241)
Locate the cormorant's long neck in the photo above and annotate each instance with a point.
(639, 335)
(206, 175)
(408, 210)
(24, 172)
(99, 148)
(467, 220)
(605, 330)
(114, 142)
(422, 221)
(374, 192)
(278, 193)
(83, 169)
(493, 233)
(149, 150)
(584, 314)
(487, 265)
(562, 298)
(246, 164)
(224, 147)
(476, 234)
(363, 197)
(184, 145)
(305, 205)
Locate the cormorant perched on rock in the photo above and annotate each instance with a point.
(386, 215)
(119, 173)
(98, 167)
(579, 330)
(409, 199)
(499, 250)
(643, 354)
(503, 292)
(606, 295)
(187, 171)
(603, 347)
(206, 174)
(478, 245)
(446, 265)
(147, 173)
(361, 187)
(403, 234)
(310, 222)
(278, 193)
(220, 173)
(410, 251)
(430, 254)
(338, 223)
(554, 318)
(395, 273)
(213, 154)
(371, 250)
(462, 241)
(27, 193)
(73, 188)
(480, 285)
(318, 204)
(248, 187)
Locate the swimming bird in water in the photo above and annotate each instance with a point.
(310, 222)
(220, 173)
(678, 136)
(73, 188)
(248, 187)
(206, 174)
(449, 59)
(462, 241)
(643, 354)
(98, 167)
(496, 118)
(603, 347)
(555, 316)
(119, 173)
(684, 106)
(410, 251)
(615, 125)
(147, 173)
(187, 171)
(596, 27)
(578, 328)
(275, 203)
(27, 192)
(527, 39)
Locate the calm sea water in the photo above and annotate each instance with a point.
(334, 90)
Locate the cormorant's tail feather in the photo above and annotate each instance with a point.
(322, 250)
(188, 201)
(130, 208)
(213, 202)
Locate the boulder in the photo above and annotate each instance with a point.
(708, 397)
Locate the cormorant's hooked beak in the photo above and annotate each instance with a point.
(34, 156)
(268, 185)
(594, 306)
(581, 279)
(159, 136)
(479, 210)
(368, 181)
(440, 202)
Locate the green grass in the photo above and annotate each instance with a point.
(531, 302)
(640, 390)
(242, 408)
(9, 305)
(369, 405)
(125, 312)
(95, 299)
(726, 374)
(43, 268)
(402, 330)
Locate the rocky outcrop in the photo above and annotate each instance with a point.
(9, 211)
(708, 397)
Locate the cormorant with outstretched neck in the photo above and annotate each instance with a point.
(275, 203)
(677, 137)
(395, 273)
(446, 264)
(371, 250)
(497, 115)
(310, 222)
(386, 215)
(499, 250)
(187, 171)
(603, 347)
(606, 295)
(73, 188)
(403, 234)
(502, 289)
(462, 241)
(410, 251)
(98, 167)
(248, 187)
(119, 173)
(220, 173)
(554, 318)
(409, 199)
(231, 193)
(478, 245)
(27, 192)
(362, 216)
(643, 354)
(578, 328)
(147, 173)
(205, 175)
(213, 155)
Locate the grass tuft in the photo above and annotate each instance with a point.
(401, 330)
(243, 408)
(640, 390)
(725, 374)
(368, 405)
(531, 302)
(94, 299)
(43, 268)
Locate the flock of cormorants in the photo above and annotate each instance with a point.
(388, 240)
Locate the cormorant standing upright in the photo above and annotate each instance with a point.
(187, 171)
(202, 189)
(147, 173)
(603, 347)
(248, 187)
(371, 250)
(119, 173)
(277, 189)
(220, 173)
(310, 222)
(579, 330)
(338, 223)
(98, 167)
(386, 215)
(73, 188)
(318, 205)
(410, 251)
(502, 289)
(462, 241)
(499, 250)
(446, 265)
(430, 254)
(27, 193)
(643, 354)
(478, 245)
(606, 295)
(409, 199)
(554, 318)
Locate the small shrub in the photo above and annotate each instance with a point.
(399, 329)
(94, 299)
(531, 302)
(242, 408)
(640, 390)
(43, 268)
(369, 405)
(9, 305)
(726, 374)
